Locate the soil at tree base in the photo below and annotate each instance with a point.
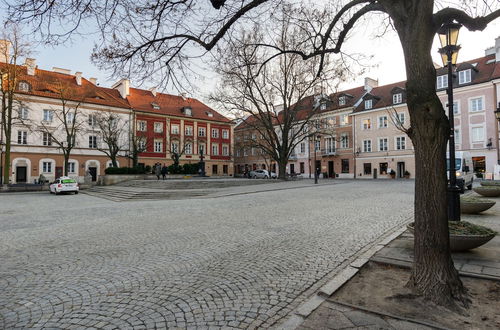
(382, 288)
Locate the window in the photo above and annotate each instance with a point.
(476, 104)
(344, 120)
(442, 81)
(330, 145)
(215, 133)
(158, 127)
(397, 98)
(175, 147)
(188, 111)
(201, 148)
(174, 129)
(458, 137)
(382, 167)
(464, 76)
(342, 100)
(92, 120)
(47, 167)
(302, 147)
(366, 124)
(215, 149)
(24, 86)
(225, 169)
(382, 122)
(46, 139)
(382, 144)
(23, 113)
(155, 106)
(399, 118)
(70, 117)
(158, 146)
(238, 152)
(48, 115)
(225, 134)
(322, 106)
(317, 145)
(141, 125)
(202, 131)
(189, 148)
(345, 165)
(22, 137)
(93, 141)
(71, 167)
(478, 134)
(401, 143)
(141, 144)
(368, 104)
(367, 145)
(225, 150)
(302, 167)
(188, 130)
(344, 141)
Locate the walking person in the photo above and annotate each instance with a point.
(164, 171)
(158, 171)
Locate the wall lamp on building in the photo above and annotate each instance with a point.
(358, 151)
(448, 36)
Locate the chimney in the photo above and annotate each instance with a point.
(61, 70)
(4, 51)
(370, 84)
(153, 91)
(78, 77)
(30, 66)
(93, 81)
(123, 86)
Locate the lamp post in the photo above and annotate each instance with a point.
(316, 138)
(497, 114)
(448, 36)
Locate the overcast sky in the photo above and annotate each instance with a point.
(387, 64)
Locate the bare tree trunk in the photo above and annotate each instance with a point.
(66, 163)
(433, 274)
(282, 168)
(6, 164)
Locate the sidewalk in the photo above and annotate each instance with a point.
(331, 311)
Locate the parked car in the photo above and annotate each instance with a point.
(464, 169)
(262, 174)
(64, 185)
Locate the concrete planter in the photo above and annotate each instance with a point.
(489, 183)
(488, 191)
(475, 206)
(463, 242)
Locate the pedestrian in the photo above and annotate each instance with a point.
(158, 171)
(164, 171)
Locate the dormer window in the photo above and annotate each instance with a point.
(209, 114)
(464, 76)
(187, 111)
(322, 106)
(442, 81)
(397, 98)
(368, 104)
(342, 100)
(155, 106)
(24, 86)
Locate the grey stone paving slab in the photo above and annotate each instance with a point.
(77, 260)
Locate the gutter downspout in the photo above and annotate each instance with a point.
(497, 130)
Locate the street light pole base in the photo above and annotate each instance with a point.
(453, 203)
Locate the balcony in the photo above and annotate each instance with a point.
(292, 156)
(329, 152)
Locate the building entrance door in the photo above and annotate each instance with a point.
(374, 173)
(330, 169)
(93, 173)
(21, 176)
(59, 171)
(401, 169)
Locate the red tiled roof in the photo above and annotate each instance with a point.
(50, 84)
(143, 100)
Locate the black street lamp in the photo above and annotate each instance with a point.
(448, 36)
(316, 139)
(497, 114)
(201, 164)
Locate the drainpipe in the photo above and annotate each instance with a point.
(497, 130)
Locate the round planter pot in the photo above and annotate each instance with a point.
(475, 207)
(463, 242)
(490, 183)
(488, 191)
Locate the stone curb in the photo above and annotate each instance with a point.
(306, 308)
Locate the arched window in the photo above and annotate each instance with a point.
(24, 86)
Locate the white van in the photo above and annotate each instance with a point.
(464, 169)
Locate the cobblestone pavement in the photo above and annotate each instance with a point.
(242, 261)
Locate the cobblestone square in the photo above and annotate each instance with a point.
(240, 261)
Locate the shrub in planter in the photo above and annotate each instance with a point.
(488, 191)
(407, 174)
(392, 173)
(124, 170)
(190, 168)
(474, 205)
(174, 169)
(147, 169)
(488, 183)
(465, 235)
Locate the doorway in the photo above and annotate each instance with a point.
(331, 173)
(215, 169)
(59, 171)
(401, 169)
(21, 176)
(374, 173)
(93, 173)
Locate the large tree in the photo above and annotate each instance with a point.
(144, 37)
(113, 133)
